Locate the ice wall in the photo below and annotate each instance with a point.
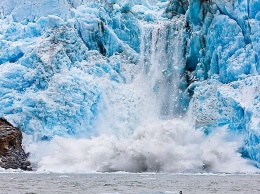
(223, 50)
(39, 60)
(81, 68)
(60, 69)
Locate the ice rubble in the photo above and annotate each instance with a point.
(105, 44)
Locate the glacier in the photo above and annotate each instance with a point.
(95, 84)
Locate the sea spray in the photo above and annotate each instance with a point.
(156, 146)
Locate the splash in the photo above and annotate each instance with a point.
(156, 146)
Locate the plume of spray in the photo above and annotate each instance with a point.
(156, 146)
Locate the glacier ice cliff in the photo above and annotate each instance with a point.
(83, 69)
(227, 68)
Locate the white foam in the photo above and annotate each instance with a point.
(156, 146)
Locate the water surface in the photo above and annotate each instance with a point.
(125, 183)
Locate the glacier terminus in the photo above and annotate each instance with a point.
(133, 85)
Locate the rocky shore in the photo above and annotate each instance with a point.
(12, 154)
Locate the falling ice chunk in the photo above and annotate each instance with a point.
(167, 73)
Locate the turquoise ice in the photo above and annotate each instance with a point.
(67, 68)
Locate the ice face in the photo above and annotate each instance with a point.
(224, 31)
(24, 11)
(43, 86)
(224, 52)
(84, 68)
(98, 42)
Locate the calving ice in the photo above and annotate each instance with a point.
(155, 85)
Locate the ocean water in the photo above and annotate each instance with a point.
(128, 183)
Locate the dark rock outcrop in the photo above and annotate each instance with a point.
(12, 154)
